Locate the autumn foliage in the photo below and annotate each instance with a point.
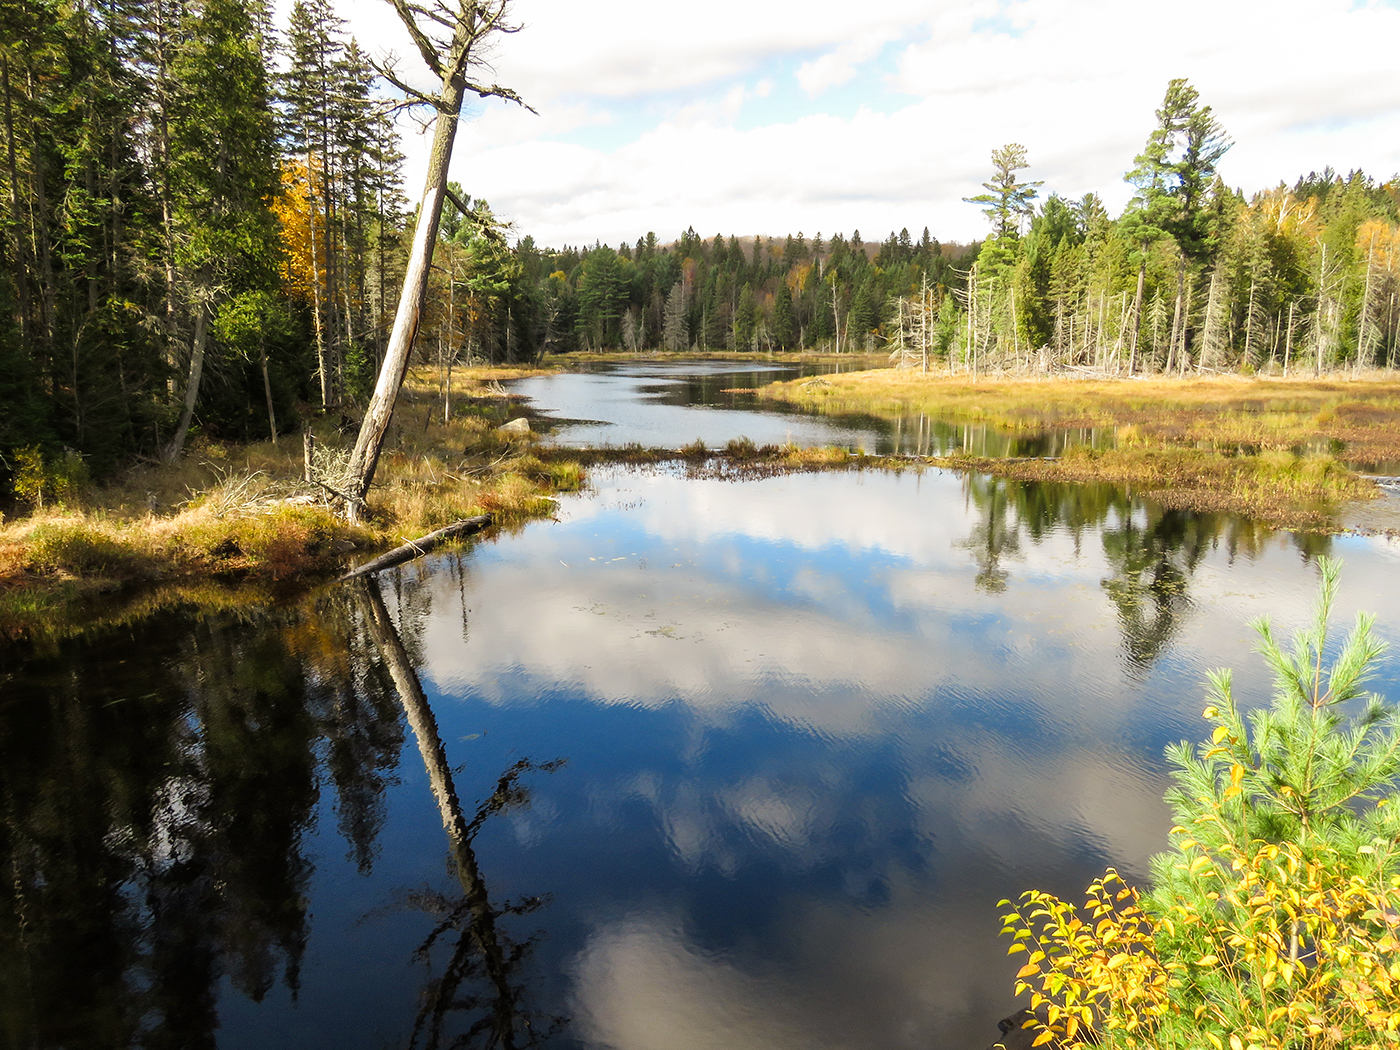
(1274, 921)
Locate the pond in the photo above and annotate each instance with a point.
(666, 404)
(701, 763)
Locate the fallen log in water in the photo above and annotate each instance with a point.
(417, 548)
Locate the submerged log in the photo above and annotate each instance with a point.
(419, 547)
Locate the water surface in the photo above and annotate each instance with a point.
(666, 404)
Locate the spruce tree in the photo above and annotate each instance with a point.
(784, 324)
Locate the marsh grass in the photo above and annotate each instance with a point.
(1280, 489)
(245, 512)
(1361, 416)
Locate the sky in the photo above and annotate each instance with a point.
(770, 116)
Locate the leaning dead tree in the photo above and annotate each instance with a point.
(450, 35)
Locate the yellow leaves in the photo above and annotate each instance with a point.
(1380, 241)
(303, 228)
(1211, 712)
(1287, 214)
(1118, 975)
(1219, 733)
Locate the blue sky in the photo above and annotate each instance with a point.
(770, 116)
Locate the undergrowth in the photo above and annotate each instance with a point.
(247, 512)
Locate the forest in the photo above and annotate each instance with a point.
(204, 232)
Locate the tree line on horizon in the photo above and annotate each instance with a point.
(203, 231)
(1191, 276)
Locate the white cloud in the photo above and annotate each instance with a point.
(665, 121)
(839, 66)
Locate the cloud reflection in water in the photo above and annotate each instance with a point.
(836, 744)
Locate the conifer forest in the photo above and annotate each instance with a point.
(205, 225)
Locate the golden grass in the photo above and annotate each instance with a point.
(1278, 489)
(243, 512)
(1361, 416)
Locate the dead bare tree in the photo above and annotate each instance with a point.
(451, 36)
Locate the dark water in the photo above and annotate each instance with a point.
(664, 404)
(811, 728)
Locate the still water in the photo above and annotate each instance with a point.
(665, 404)
(700, 764)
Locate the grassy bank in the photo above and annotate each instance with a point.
(245, 512)
(1279, 489)
(1223, 413)
(1268, 448)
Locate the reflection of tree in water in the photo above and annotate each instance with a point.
(154, 808)
(479, 987)
(1153, 552)
(995, 536)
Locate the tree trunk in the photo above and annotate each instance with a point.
(316, 282)
(1137, 311)
(368, 445)
(267, 391)
(1173, 349)
(201, 338)
(21, 267)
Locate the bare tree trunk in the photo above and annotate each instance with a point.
(316, 281)
(1361, 347)
(365, 458)
(1173, 352)
(1288, 344)
(451, 61)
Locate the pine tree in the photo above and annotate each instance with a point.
(1007, 201)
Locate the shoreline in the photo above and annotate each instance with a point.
(249, 523)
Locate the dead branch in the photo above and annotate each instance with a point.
(419, 547)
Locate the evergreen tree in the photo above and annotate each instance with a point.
(745, 320)
(784, 324)
(1007, 201)
(223, 176)
(602, 296)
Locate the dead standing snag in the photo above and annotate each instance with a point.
(450, 36)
